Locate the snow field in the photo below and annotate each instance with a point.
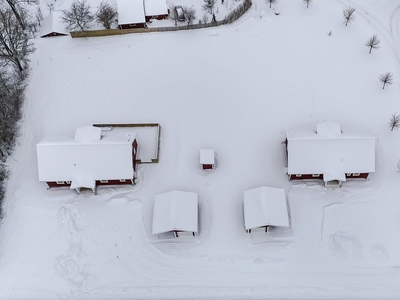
(234, 89)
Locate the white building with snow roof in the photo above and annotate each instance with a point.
(176, 212)
(93, 157)
(131, 14)
(207, 159)
(324, 151)
(265, 207)
(52, 25)
(155, 9)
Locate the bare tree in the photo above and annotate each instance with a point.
(190, 14)
(78, 17)
(394, 122)
(348, 15)
(386, 78)
(19, 11)
(271, 2)
(105, 15)
(14, 40)
(308, 2)
(373, 43)
(209, 5)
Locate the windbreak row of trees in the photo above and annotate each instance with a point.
(16, 30)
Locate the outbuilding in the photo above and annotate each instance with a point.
(155, 9)
(93, 157)
(52, 25)
(265, 207)
(207, 159)
(131, 14)
(176, 212)
(325, 151)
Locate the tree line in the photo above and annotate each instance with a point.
(17, 27)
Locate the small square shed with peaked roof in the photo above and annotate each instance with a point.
(265, 207)
(52, 25)
(207, 159)
(176, 212)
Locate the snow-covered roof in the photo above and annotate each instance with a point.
(207, 156)
(52, 24)
(175, 210)
(155, 7)
(265, 206)
(312, 153)
(328, 129)
(87, 134)
(130, 12)
(67, 159)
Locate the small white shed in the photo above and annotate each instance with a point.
(52, 25)
(207, 159)
(265, 207)
(176, 212)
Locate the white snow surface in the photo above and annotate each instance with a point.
(261, 74)
(175, 210)
(265, 206)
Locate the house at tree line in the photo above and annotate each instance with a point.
(94, 156)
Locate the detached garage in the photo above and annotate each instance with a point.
(176, 212)
(265, 207)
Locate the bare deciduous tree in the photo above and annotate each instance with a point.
(78, 17)
(19, 12)
(105, 15)
(308, 2)
(386, 78)
(373, 43)
(271, 2)
(348, 14)
(209, 5)
(394, 122)
(190, 14)
(14, 40)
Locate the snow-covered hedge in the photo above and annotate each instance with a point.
(238, 12)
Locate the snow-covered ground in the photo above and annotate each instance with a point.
(234, 89)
